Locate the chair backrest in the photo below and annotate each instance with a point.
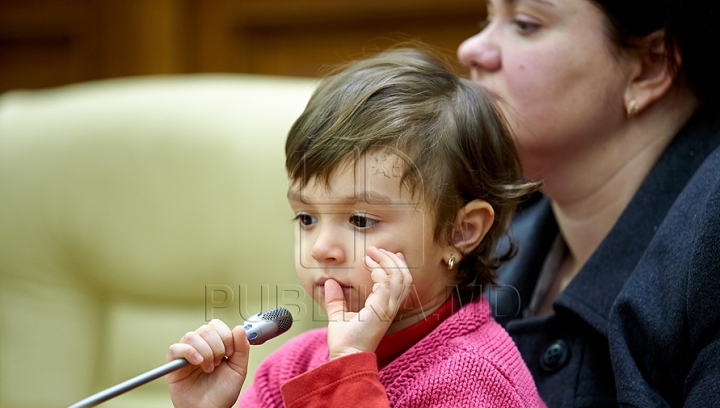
(132, 210)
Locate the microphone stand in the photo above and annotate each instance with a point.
(259, 328)
(130, 384)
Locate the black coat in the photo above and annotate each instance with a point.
(640, 323)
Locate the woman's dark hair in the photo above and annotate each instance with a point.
(689, 28)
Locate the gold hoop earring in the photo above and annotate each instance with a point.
(451, 262)
(632, 109)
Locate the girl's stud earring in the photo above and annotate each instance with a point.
(451, 262)
(632, 109)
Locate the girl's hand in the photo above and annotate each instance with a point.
(211, 380)
(362, 331)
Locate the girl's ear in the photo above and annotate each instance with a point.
(472, 222)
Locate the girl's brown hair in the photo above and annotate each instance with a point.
(456, 144)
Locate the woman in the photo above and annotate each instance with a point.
(614, 106)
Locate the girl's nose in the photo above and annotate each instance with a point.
(480, 52)
(328, 247)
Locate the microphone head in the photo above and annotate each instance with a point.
(264, 326)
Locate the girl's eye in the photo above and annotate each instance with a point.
(305, 220)
(524, 26)
(362, 222)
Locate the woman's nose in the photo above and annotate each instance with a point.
(328, 247)
(480, 52)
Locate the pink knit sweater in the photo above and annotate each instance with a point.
(467, 361)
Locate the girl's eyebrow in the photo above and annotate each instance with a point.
(293, 195)
(365, 196)
(374, 197)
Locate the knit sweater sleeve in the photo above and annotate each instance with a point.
(250, 398)
(351, 381)
(298, 355)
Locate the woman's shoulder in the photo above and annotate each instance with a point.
(693, 231)
(693, 222)
(669, 305)
(707, 175)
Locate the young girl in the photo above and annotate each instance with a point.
(403, 179)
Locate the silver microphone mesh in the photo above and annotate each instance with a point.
(280, 315)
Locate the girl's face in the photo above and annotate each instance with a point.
(554, 73)
(366, 205)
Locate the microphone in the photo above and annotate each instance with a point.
(264, 326)
(259, 328)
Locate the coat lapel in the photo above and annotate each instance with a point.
(592, 292)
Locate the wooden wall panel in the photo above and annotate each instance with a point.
(143, 37)
(305, 51)
(287, 37)
(54, 42)
(46, 43)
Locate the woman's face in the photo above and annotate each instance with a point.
(553, 72)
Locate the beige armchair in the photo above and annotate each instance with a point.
(131, 211)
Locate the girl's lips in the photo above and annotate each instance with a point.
(321, 284)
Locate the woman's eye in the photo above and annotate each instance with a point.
(484, 23)
(524, 26)
(305, 220)
(489, 15)
(362, 222)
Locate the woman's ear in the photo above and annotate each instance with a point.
(651, 76)
(472, 222)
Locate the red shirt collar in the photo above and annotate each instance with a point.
(393, 345)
